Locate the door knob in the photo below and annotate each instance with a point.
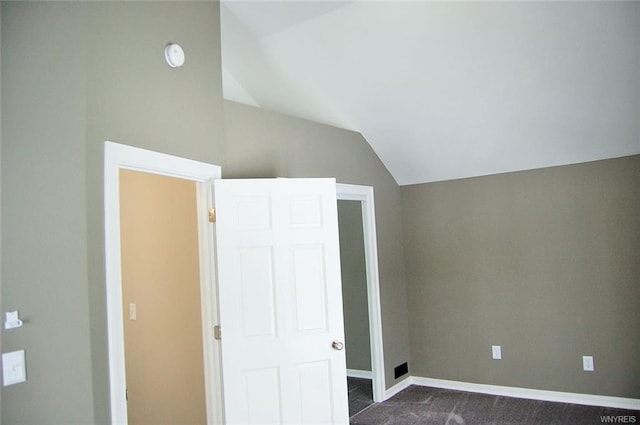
(337, 345)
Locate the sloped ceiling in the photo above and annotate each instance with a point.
(447, 90)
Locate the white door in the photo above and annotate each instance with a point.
(280, 302)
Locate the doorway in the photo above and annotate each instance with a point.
(121, 157)
(161, 293)
(355, 305)
(365, 362)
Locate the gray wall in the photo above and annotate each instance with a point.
(267, 144)
(44, 264)
(353, 267)
(545, 263)
(74, 75)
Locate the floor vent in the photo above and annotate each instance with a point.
(403, 369)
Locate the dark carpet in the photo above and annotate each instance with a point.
(360, 394)
(426, 406)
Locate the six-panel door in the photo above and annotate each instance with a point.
(280, 301)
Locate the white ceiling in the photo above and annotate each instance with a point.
(447, 90)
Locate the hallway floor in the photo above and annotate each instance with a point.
(360, 394)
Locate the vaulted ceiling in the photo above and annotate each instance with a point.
(446, 90)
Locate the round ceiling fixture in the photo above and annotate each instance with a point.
(174, 55)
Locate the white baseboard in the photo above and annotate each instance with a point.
(355, 373)
(575, 398)
(397, 388)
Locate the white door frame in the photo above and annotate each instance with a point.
(364, 194)
(117, 157)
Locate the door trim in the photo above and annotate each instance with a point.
(364, 194)
(117, 157)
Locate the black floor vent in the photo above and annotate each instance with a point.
(403, 369)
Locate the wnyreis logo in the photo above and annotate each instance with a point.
(612, 419)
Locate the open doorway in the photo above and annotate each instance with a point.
(117, 159)
(361, 296)
(355, 305)
(161, 293)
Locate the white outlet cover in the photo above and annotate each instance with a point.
(13, 368)
(587, 364)
(496, 352)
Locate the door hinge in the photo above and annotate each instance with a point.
(126, 394)
(212, 215)
(217, 332)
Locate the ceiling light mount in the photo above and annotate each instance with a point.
(174, 55)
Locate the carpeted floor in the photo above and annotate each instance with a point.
(430, 406)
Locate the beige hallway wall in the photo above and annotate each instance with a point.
(160, 276)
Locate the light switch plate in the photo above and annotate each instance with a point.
(13, 368)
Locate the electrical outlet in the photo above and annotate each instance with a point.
(587, 364)
(496, 352)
